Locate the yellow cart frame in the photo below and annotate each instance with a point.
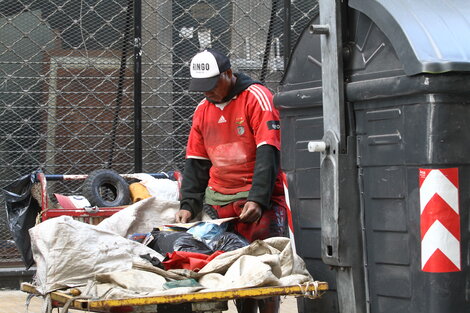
(149, 304)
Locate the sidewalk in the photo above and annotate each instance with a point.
(13, 301)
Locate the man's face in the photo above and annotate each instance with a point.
(221, 90)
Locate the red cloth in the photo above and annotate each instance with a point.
(188, 260)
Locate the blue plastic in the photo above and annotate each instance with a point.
(206, 231)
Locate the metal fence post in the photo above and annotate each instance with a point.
(137, 86)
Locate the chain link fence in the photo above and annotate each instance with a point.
(90, 84)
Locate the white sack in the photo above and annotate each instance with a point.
(247, 271)
(161, 188)
(141, 217)
(69, 252)
(222, 262)
(291, 263)
(134, 280)
(269, 262)
(108, 291)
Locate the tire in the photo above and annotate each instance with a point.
(106, 188)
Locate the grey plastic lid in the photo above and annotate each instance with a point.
(431, 36)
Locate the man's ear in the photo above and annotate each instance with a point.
(230, 76)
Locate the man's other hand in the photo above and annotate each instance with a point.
(251, 212)
(183, 216)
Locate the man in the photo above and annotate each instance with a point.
(232, 156)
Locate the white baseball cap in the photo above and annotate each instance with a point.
(205, 68)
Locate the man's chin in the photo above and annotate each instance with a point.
(214, 101)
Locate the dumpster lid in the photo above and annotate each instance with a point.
(429, 36)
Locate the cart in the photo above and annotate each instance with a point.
(215, 301)
(189, 302)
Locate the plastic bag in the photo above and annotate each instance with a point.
(169, 241)
(227, 241)
(190, 282)
(206, 231)
(22, 210)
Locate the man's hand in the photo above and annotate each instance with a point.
(251, 212)
(183, 216)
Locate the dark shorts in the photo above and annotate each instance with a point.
(273, 221)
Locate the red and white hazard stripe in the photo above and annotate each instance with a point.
(440, 220)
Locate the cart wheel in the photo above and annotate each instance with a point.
(106, 188)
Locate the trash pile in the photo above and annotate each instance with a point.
(126, 255)
(139, 251)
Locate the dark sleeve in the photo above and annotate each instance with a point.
(266, 170)
(193, 186)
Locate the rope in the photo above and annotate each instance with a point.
(304, 289)
(87, 294)
(47, 304)
(28, 301)
(65, 308)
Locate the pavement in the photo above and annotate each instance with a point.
(13, 301)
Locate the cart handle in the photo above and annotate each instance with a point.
(173, 175)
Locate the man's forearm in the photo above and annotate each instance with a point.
(265, 173)
(193, 186)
